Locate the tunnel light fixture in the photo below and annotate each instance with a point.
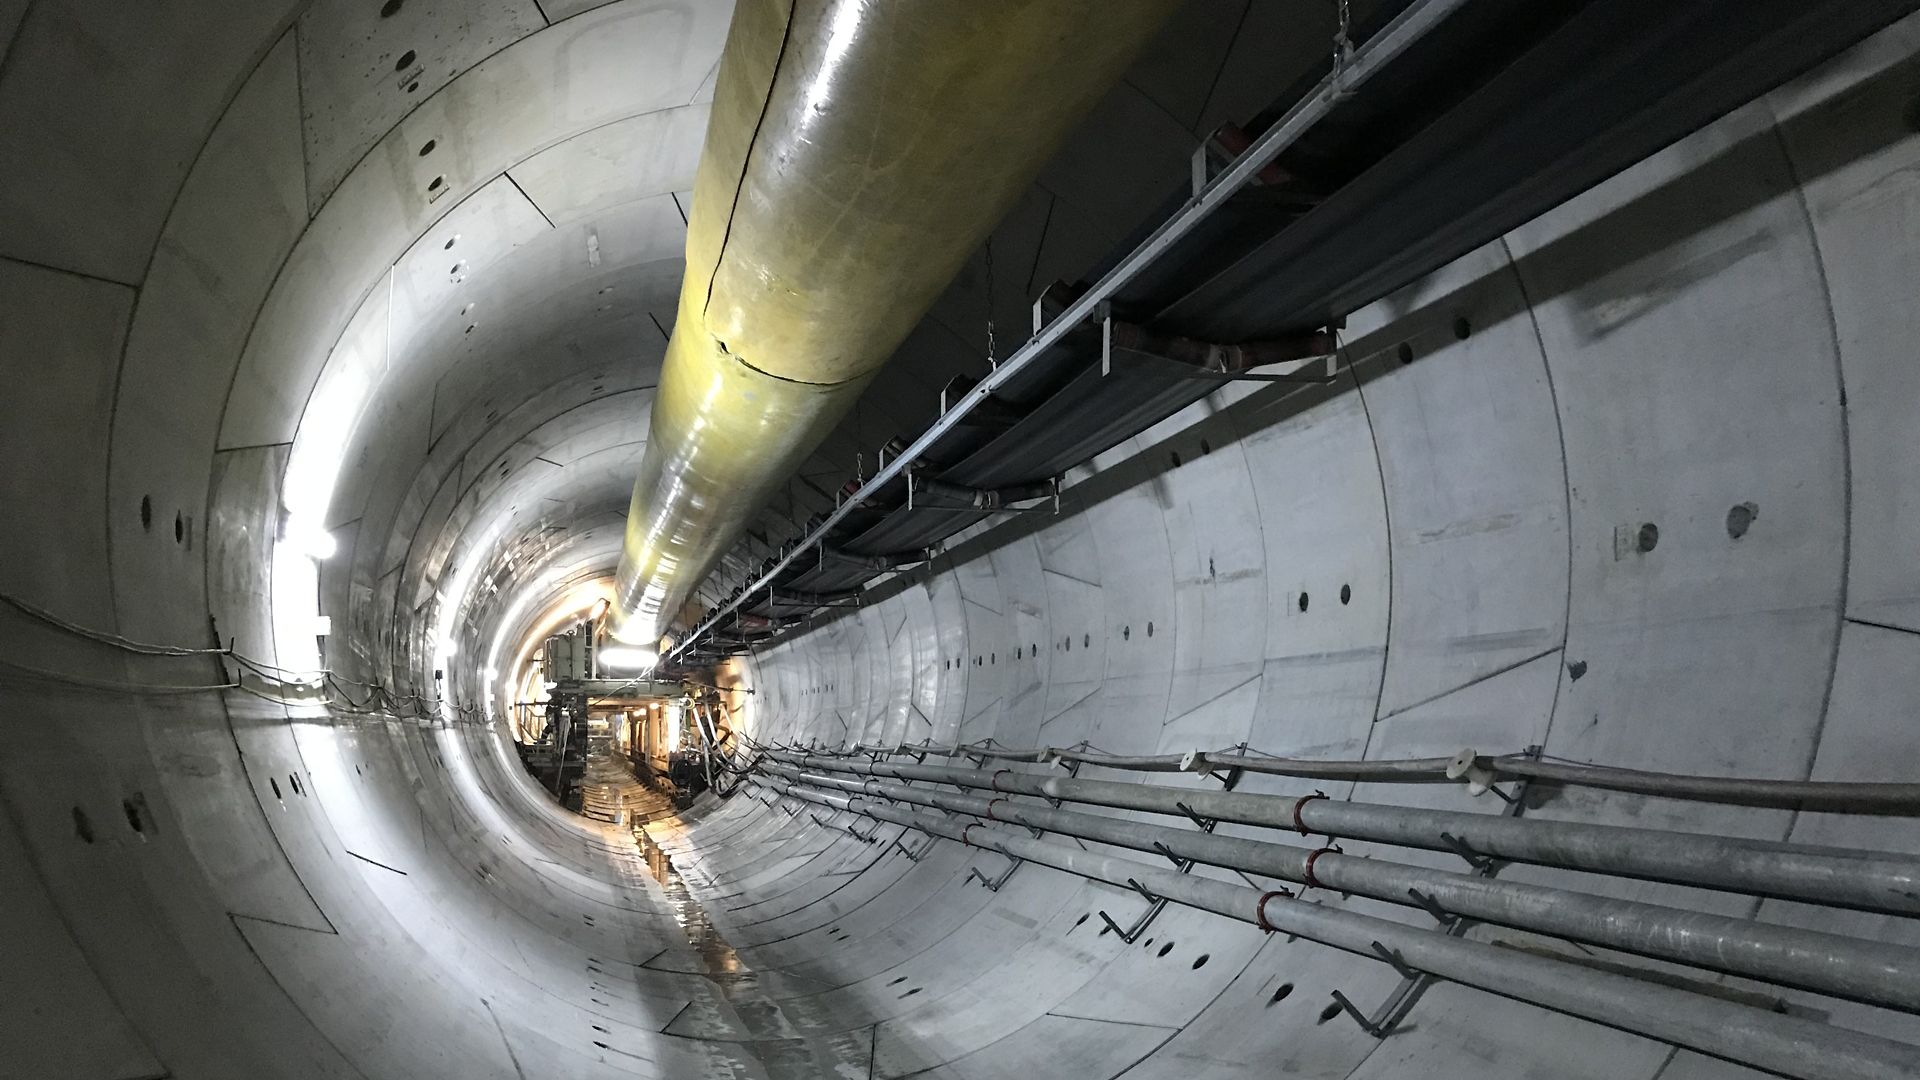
(628, 657)
(305, 536)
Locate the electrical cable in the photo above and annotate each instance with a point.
(130, 645)
(112, 686)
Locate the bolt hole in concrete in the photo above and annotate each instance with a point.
(1303, 601)
(436, 183)
(1167, 948)
(911, 992)
(275, 785)
(82, 828)
(897, 981)
(1332, 1010)
(1086, 641)
(132, 810)
(1649, 537)
(179, 528)
(1405, 353)
(405, 61)
(389, 9)
(1080, 920)
(1126, 633)
(427, 147)
(1202, 961)
(146, 513)
(1280, 994)
(451, 240)
(1346, 594)
(1205, 447)
(1740, 519)
(1174, 458)
(412, 86)
(1149, 629)
(1462, 329)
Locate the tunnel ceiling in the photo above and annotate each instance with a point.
(496, 210)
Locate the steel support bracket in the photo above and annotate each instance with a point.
(1104, 313)
(1376, 1030)
(1440, 915)
(993, 884)
(1155, 905)
(911, 854)
(1132, 933)
(1394, 959)
(1480, 863)
(1205, 824)
(1168, 853)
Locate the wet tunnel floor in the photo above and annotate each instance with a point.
(766, 1032)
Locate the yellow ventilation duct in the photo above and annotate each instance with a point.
(858, 151)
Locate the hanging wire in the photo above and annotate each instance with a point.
(415, 705)
(101, 636)
(110, 685)
(1342, 52)
(992, 358)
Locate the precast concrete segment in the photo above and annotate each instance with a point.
(856, 154)
(1871, 880)
(1876, 972)
(1787, 1045)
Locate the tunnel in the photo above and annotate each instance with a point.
(1455, 614)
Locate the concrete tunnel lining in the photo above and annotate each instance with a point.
(1415, 563)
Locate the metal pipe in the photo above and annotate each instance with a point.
(1844, 797)
(857, 153)
(1829, 796)
(1839, 877)
(1874, 972)
(1775, 1042)
(938, 494)
(702, 722)
(1413, 23)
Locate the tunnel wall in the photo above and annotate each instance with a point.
(205, 206)
(1634, 484)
